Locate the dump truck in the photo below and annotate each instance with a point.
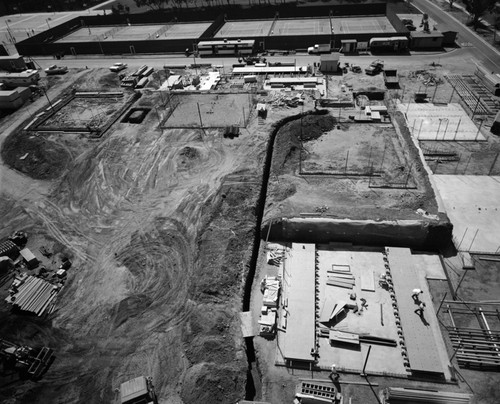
(138, 391)
(391, 78)
(375, 67)
(319, 48)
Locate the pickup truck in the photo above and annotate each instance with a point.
(375, 67)
(319, 48)
(54, 69)
(117, 67)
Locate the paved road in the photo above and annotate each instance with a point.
(479, 51)
(158, 61)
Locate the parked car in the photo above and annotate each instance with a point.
(54, 69)
(117, 67)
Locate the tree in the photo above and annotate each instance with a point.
(477, 8)
(156, 5)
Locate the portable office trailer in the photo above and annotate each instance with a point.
(389, 44)
(424, 40)
(226, 47)
(25, 78)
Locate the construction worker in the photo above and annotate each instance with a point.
(416, 294)
(420, 310)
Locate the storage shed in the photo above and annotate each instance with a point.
(449, 36)
(329, 63)
(349, 45)
(424, 40)
(29, 258)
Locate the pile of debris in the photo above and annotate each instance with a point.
(287, 100)
(270, 286)
(428, 78)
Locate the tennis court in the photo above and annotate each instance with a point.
(85, 34)
(362, 25)
(306, 26)
(186, 31)
(20, 25)
(242, 29)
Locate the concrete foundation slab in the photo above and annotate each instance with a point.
(471, 203)
(383, 360)
(440, 122)
(298, 291)
(422, 335)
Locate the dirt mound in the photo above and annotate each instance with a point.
(36, 156)
(206, 383)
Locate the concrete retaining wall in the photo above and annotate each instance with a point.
(417, 234)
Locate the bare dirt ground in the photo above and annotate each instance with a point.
(159, 238)
(159, 223)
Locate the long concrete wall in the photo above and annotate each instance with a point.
(431, 235)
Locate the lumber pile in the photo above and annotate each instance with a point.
(341, 276)
(403, 395)
(32, 295)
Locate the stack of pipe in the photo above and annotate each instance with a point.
(402, 395)
(34, 295)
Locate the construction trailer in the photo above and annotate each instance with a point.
(138, 391)
(29, 362)
(426, 40)
(29, 258)
(12, 63)
(14, 99)
(25, 78)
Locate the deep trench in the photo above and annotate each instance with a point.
(252, 265)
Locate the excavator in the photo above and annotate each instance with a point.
(31, 363)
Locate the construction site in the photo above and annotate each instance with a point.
(254, 232)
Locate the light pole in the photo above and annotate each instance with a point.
(48, 99)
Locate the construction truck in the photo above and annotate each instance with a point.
(138, 391)
(319, 48)
(375, 67)
(29, 362)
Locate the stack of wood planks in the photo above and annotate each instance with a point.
(341, 276)
(33, 295)
(403, 395)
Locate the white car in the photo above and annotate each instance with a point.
(118, 67)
